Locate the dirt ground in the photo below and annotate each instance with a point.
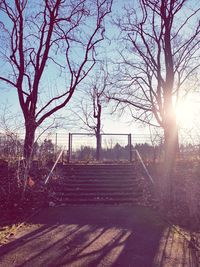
(98, 236)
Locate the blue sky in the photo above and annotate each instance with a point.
(8, 95)
(116, 124)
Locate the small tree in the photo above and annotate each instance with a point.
(91, 107)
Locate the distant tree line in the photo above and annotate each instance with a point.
(11, 149)
(118, 153)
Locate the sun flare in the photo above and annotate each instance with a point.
(186, 114)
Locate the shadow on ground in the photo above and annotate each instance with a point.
(97, 236)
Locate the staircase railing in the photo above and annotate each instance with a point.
(52, 169)
(143, 165)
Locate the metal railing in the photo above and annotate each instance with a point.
(143, 165)
(52, 169)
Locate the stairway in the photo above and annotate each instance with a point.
(95, 184)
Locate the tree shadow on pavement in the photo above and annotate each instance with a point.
(97, 236)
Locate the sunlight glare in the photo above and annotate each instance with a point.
(186, 114)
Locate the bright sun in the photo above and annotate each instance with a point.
(186, 114)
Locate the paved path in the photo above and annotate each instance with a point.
(96, 236)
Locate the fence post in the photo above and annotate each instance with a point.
(69, 147)
(130, 147)
(56, 145)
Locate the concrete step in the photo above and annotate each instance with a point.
(97, 166)
(98, 181)
(108, 190)
(94, 185)
(87, 170)
(97, 201)
(97, 195)
(112, 176)
(97, 170)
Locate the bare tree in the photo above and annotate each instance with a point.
(58, 34)
(160, 56)
(91, 107)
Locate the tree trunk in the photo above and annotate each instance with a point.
(30, 129)
(171, 146)
(98, 144)
(98, 132)
(29, 139)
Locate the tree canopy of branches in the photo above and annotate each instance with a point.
(39, 38)
(160, 56)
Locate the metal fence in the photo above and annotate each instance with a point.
(82, 147)
(113, 147)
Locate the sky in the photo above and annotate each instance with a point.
(111, 123)
(8, 95)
